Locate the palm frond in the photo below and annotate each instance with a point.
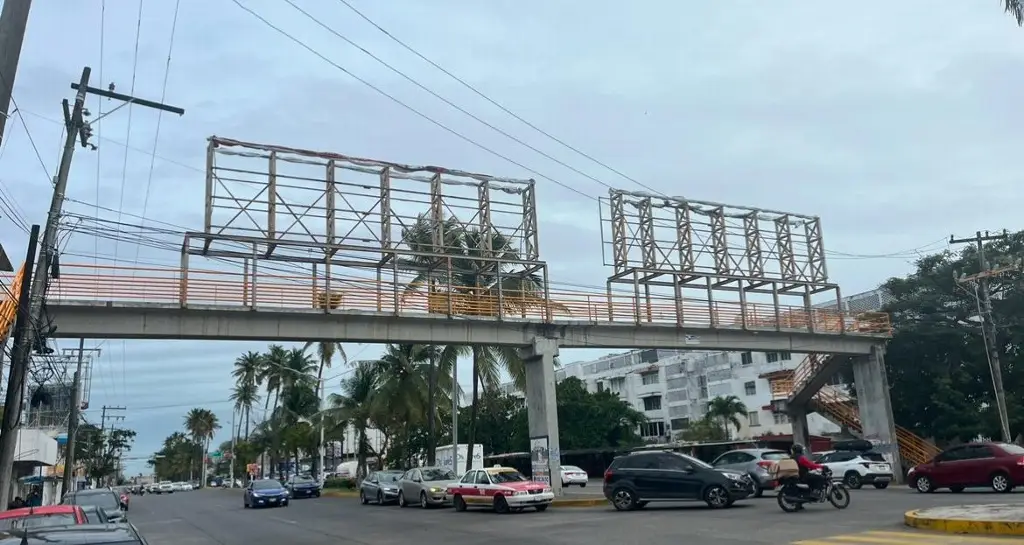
(1016, 10)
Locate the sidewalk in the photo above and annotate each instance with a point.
(998, 519)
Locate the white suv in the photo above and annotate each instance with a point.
(857, 468)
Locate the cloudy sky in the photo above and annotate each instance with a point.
(893, 122)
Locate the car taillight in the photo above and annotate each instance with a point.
(1021, 461)
(766, 464)
(607, 475)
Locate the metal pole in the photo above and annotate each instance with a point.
(233, 437)
(76, 402)
(19, 367)
(455, 415)
(13, 21)
(995, 365)
(320, 467)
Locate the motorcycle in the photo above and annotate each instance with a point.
(793, 494)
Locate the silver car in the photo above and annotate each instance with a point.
(755, 462)
(425, 486)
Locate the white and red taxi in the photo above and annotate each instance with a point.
(500, 488)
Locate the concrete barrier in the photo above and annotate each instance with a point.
(999, 519)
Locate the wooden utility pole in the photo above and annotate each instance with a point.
(73, 418)
(103, 429)
(988, 328)
(13, 21)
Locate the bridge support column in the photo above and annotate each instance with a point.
(801, 433)
(875, 407)
(542, 411)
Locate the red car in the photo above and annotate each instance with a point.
(996, 465)
(36, 517)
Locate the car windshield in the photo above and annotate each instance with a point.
(873, 456)
(774, 456)
(39, 521)
(268, 484)
(438, 474)
(93, 515)
(390, 476)
(302, 480)
(694, 461)
(572, 468)
(103, 500)
(506, 476)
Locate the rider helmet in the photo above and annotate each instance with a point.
(798, 449)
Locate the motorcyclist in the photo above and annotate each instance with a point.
(815, 481)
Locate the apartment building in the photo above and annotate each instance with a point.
(673, 388)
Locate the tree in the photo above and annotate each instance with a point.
(1016, 9)
(201, 424)
(247, 374)
(178, 459)
(725, 411)
(100, 451)
(355, 406)
(325, 352)
(594, 420)
(703, 430)
(939, 379)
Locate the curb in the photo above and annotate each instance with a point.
(915, 519)
(339, 494)
(595, 502)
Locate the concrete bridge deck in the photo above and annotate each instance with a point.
(165, 303)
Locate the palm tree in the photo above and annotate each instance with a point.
(245, 395)
(725, 411)
(247, 373)
(1016, 9)
(356, 406)
(271, 374)
(475, 285)
(325, 352)
(201, 424)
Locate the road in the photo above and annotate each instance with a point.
(216, 517)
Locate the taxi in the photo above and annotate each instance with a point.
(502, 489)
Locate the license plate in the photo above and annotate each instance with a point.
(881, 467)
(883, 479)
(273, 500)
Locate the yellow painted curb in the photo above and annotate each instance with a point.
(963, 526)
(340, 494)
(595, 502)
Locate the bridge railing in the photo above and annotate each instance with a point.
(271, 290)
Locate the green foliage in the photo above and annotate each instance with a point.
(99, 451)
(704, 430)
(340, 483)
(939, 377)
(593, 420)
(726, 410)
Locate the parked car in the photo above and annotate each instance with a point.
(93, 514)
(302, 487)
(636, 479)
(380, 487)
(165, 487)
(265, 493)
(857, 468)
(36, 517)
(103, 498)
(500, 488)
(121, 534)
(755, 462)
(573, 475)
(425, 486)
(996, 465)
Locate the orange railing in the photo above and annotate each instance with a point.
(171, 285)
(9, 303)
(807, 369)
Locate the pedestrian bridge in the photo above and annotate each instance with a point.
(97, 301)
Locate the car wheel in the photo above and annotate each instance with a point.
(882, 486)
(853, 480)
(541, 508)
(583, 485)
(500, 504)
(758, 491)
(924, 485)
(1001, 482)
(956, 489)
(362, 498)
(623, 499)
(717, 497)
(459, 503)
(423, 500)
(380, 498)
(641, 504)
(401, 499)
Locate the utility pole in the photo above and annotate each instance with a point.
(77, 130)
(322, 447)
(988, 327)
(16, 380)
(73, 419)
(13, 20)
(103, 427)
(233, 436)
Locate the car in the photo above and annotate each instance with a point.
(857, 468)
(636, 479)
(380, 487)
(302, 487)
(120, 534)
(265, 493)
(93, 514)
(573, 475)
(502, 489)
(165, 487)
(425, 486)
(755, 462)
(37, 517)
(103, 498)
(984, 464)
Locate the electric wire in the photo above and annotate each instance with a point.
(128, 132)
(99, 109)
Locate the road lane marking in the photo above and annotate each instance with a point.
(908, 538)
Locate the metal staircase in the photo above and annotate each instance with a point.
(9, 304)
(841, 410)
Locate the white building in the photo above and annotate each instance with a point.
(673, 388)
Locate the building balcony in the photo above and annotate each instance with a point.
(35, 447)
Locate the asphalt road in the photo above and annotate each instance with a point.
(209, 517)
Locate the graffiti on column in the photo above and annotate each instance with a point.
(539, 459)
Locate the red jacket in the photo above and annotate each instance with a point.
(807, 464)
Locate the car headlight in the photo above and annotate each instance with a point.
(547, 489)
(734, 476)
(389, 489)
(436, 490)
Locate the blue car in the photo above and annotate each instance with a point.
(265, 493)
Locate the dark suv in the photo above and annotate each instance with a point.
(634, 480)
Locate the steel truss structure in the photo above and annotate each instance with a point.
(340, 214)
(671, 247)
(50, 391)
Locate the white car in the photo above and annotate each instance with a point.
(857, 468)
(573, 475)
(165, 487)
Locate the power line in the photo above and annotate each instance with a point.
(128, 134)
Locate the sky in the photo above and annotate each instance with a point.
(892, 122)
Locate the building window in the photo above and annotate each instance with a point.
(781, 418)
(753, 418)
(652, 429)
(750, 388)
(772, 357)
(617, 384)
(649, 378)
(785, 356)
(600, 387)
(652, 403)
(746, 358)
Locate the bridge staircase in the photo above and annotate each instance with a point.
(836, 405)
(9, 304)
